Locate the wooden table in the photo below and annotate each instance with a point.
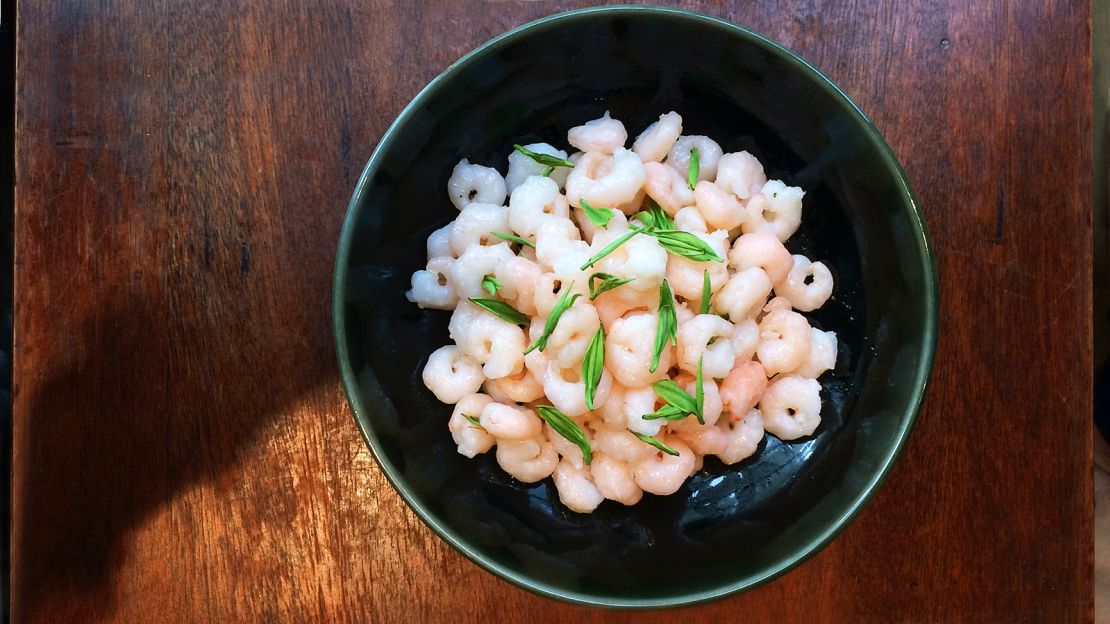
(182, 448)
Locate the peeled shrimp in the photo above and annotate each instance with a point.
(522, 167)
(742, 387)
(642, 259)
(439, 243)
(497, 344)
(776, 209)
(623, 301)
(791, 407)
(613, 478)
(605, 180)
(576, 487)
(604, 135)
(745, 339)
(822, 354)
(576, 328)
(720, 209)
(536, 361)
(783, 341)
(566, 391)
(758, 357)
(557, 239)
(763, 250)
(656, 140)
(686, 276)
(520, 387)
(741, 174)
(661, 473)
(709, 156)
(618, 223)
(465, 274)
(621, 444)
(527, 460)
(491, 388)
(744, 294)
(689, 219)
(508, 422)
(474, 183)
(742, 437)
(808, 285)
(694, 338)
(712, 404)
(532, 202)
(450, 375)
(430, 287)
(611, 411)
(568, 450)
(706, 440)
(637, 403)
(629, 350)
(518, 278)
(776, 303)
(667, 187)
(472, 440)
(475, 224)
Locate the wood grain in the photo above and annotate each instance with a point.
(182, 448)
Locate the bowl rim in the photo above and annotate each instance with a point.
(799, 554)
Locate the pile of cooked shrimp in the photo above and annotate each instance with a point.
(629, 312)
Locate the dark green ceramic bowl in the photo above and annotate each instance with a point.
(728, 528)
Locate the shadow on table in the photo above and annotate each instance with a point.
(104, 447)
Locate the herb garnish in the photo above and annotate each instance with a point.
(566, 427)
(695, 168)
(608, 282)
(668, 324)
(593, 365)
(546, 160)
(656, 443)
(565, 301)
(501, 310)
(490, 284)
(598, 216)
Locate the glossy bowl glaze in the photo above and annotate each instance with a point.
(729, 527)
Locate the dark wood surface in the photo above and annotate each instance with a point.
(182, 448)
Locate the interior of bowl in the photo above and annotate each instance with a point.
(728, 527)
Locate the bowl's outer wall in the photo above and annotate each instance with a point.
(728, 527)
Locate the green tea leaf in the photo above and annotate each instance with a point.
(610, 248)
(546, 160)
(695, 168)
(662, 221)
(473, 421)
(668, 324)
(566, 427)
(598, 216)
(654, 218)
(674, 395)
(686, 245)
(515, 239)
(608, 282)
(547, 171)
(699, 395)
(501, 310)
(490, 284)
(593, 365)
(565, 301)
(667, 412)
(706, 292)
(656, 443)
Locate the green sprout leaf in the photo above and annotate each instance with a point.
(566, 427)
(501, 310)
